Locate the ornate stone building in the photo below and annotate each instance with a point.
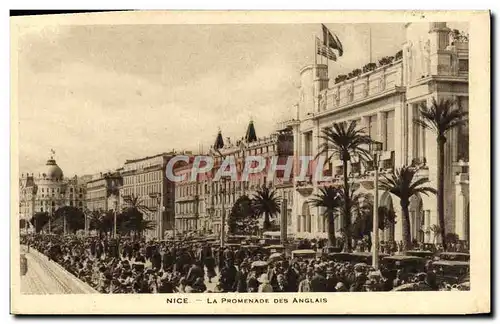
(49, 191)
(433, 63)
(145, 178)
(214, 196)
(103, 191)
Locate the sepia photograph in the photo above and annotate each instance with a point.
(204, 162)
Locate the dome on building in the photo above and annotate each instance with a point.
(54, 172)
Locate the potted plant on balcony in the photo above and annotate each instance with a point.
(386, 60)
(354, 73)
(398, 56)
(340, 78)
(369, 67)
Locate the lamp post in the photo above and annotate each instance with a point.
(114, 218)
(157, 196)
(223, 216)
(375, 149)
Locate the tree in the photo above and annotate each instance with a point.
(242, 219)
(436, 231)
(328, 198)
(22, 223)
(265, 202)
(39, 220)
(133, 215)
(363, 224)
(360, 208)
(402, 183)
(440, 117)
(75, 219)
(344, 140)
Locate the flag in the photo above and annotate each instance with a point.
(331, 41)
(325, 51)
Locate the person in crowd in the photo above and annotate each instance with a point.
(131, 265)
(265, 285)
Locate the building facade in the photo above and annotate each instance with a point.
(218, 196)
(49, 191)
(145, 178)
(187, 201)
(384, 101)
(103, 191)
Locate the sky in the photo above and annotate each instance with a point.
(101, 94)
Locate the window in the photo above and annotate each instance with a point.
(372, 127)
(463, 65)
(389, 132)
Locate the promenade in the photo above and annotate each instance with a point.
(46, 277)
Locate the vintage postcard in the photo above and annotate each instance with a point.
(251, 163)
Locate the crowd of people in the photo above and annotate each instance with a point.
(132, 265)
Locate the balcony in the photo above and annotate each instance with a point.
(304, 186)
(286, 125)
(187, 198)
(365, 87)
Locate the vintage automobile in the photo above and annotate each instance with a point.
(451, 272)
(270, 241)
(355, 257)
(254, 249)
(304, 254)
(275, 248)
(412, 264)
(413, 286)
(422, 254)
(454, 256)
(366, 257)
(277, 256)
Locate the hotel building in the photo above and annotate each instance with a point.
(384, 101)
(49, 191)
(145, 178)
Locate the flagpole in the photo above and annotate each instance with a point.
(370, 44)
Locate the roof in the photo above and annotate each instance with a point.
(149, 157)
(451, 263)
(402, 257)
(303, 251)
(454, 253)
(251, 136)
(219, 141)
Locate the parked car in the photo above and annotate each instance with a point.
(412, 264)
(304, 254)
(454, 256)
(451, 272)
(423, 254)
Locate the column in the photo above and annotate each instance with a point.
(364, 124)
(427, 220)
(410, 126)
(381, 116)
(461, 199)
(400, 134)
(398, 227)
(421, 139)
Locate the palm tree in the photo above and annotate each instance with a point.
(360, 207)
(134, 214)
(402, 183)
(330, 199)
(265, 202)
(344, 140)
(436, 231)
(441, 117)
